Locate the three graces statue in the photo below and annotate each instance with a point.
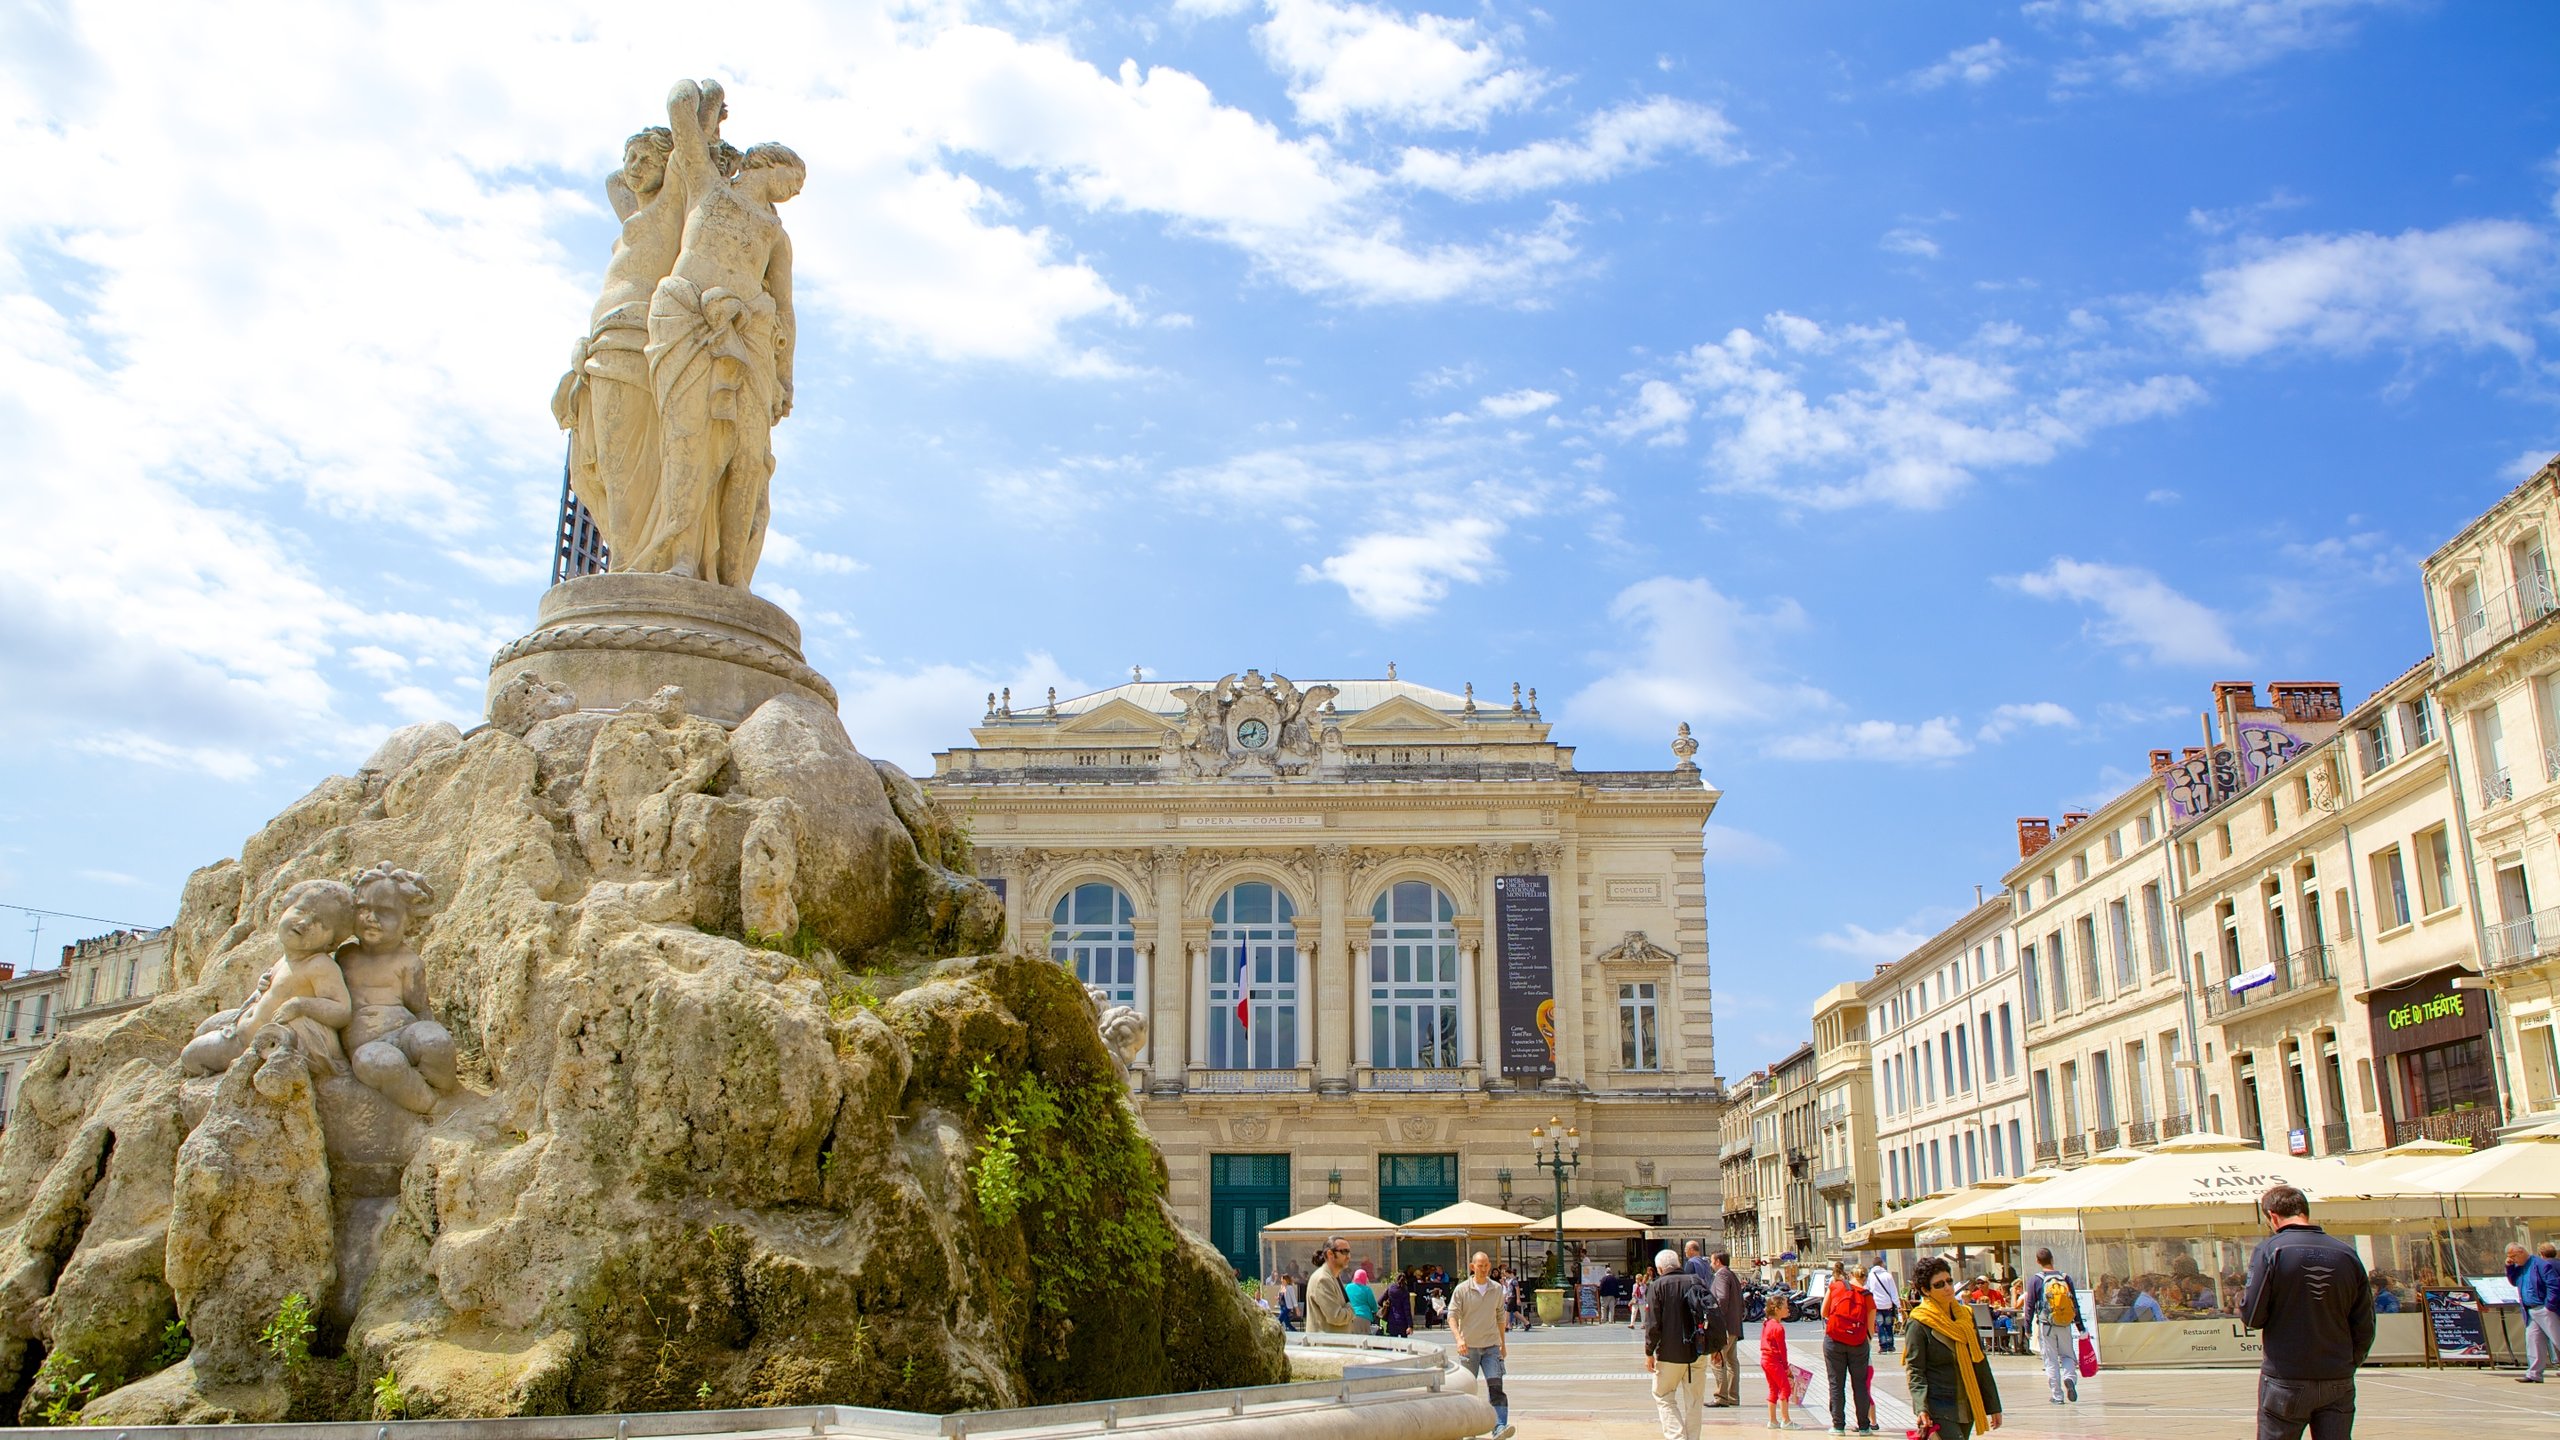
(672, 396)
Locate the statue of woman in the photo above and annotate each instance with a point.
(393, 1040)
(719, 353)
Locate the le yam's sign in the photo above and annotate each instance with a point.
(2179, 1342)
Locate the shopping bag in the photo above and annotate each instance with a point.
(1799, 1380)
(2088, 1357)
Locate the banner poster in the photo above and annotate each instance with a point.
(1525, 927)
(2455, 1330)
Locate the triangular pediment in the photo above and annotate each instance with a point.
(1398, 715)
(1116, 717)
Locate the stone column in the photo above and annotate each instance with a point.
(1168, 977)
(1486, 965)
(1334, 986)
(1195, 1006)
(1556, 861)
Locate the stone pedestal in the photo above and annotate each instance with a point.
(616, 638)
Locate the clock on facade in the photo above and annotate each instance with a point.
(1252, 733)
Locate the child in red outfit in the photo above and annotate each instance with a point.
(1773, 1365)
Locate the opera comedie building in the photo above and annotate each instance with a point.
(1379, 932)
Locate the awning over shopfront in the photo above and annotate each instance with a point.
(1331, 1220)
(1586, 1222)
(2196, 1179)
(2524, 1167)
(1464, 1220)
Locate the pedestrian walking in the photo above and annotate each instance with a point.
(1364, 1301)
(1291, 1317)
(1725, 1289)
(1395, 1308)
(2311, 1302)
(2537, 1282)
(2055, 1323)
(1942, 1359)
(1775, 1368)
(1888, 1298)
(1848, 1317)
(1639, 1295)
(1680, 1332)
(1328, 1305)
(1611, 1288)
(1480, 1321)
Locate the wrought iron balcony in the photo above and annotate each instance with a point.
(2475, 632)
(2173, 1126)
(2336, 1138)
(2103, 1138)
(2478, 1125)
(2075, 1147)
(1799, 1161)
(2497, 787)
(2305, 969)
(2524, 940)
(2047, 1152)
(1251, 1082)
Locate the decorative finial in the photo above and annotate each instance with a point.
(1006, 710)
(1053, 702)
(1391, 669)
(1685, 746)
(1471, 697)
(991, 704)
(1137, 673)
(1329, 710)
(1515, 697)
(1533, 699)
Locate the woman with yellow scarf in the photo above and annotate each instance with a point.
(1942, 1358)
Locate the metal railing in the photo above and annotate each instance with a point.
(2474, 632)
(2075, 1147)
(2336, 1138)
(2496, 787)
(1250, 1082)
(2478, 1125)
(2047, 1152)
(2304, 969)
(2103, 1138)
(2524, 940)
(2173, 1126)
(1416, 1081)
(2141, 1132)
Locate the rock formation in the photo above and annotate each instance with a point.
(739, 1109)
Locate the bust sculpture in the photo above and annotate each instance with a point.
(305, 991)
(392, 1039)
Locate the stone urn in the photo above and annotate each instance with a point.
(1551, 1307)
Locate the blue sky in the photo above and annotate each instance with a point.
(1925, 402)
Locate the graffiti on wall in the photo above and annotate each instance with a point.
(2206, 778)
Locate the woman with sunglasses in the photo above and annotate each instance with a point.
(1950, 1378)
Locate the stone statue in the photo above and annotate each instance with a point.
(719, 355)
(604, 402)
(305, 991)
(392, 1040)
(1124, 1030)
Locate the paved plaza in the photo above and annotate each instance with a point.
(1588, 1383)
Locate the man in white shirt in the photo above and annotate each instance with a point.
(1888, 1302)
(1480, 1322)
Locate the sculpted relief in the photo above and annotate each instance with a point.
(672, 395)
(1247, 728)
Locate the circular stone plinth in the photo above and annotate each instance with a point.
(613, 639)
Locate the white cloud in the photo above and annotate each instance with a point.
(2474, 285)
(1972, 64)
(1514, 404)
(2199, 37)
(1692, 653)
(2138, 611)
(788, 551)
(1400, 575)
(1730, 845)
(1865, 414)
(1902, 240)
(1659, 410)
(1613, 142)
(2010, 719)
(1347, 62)
(904, 715)
(1880, 946)
(1888, 740)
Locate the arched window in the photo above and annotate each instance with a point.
(1413, 978)
(1090, 933)
(1253, 980)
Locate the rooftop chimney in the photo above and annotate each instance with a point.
(2306, 700)
(2034, 833)
(66, 953)
(2162, 761)
(2231, 696)
(2073, 817)
(2192, 752)
(8, 971)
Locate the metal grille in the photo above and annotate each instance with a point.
(579, 548)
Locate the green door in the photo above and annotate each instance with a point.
(1246, 1192)
(1410, 1186)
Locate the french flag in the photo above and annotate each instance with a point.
(1244, 1001)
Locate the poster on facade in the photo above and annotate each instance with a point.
(1526, 935)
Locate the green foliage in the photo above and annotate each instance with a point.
(175, 1345)
(288, 1336)
(388, 1402)
(858, 994)
(70, 1393)
(702, 1394)
(1075, 1166)
(801, 944)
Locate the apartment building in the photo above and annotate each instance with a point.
(1783, 1125)
(2490, 600)
(1949, 1059)
(1846, 1181)
(103, 975)
(1737, 1162)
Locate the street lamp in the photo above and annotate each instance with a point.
(1559, 1151)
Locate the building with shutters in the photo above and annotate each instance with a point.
(1845, 1174)
(1948, 1057)
(100, 976)
(1379, 931)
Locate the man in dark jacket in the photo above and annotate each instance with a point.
(1677, 1306)
(2312, 1303)
(1724, 1288)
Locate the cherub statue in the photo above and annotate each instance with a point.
(394, 1042)
(305, 991)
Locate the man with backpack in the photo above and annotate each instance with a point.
(2054, 1320)
(1848, 1317)
(1682, 1329)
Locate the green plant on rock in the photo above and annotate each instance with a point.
(388, 1402)
(1075, 1165)
(801, 944)
(70, 1393)
(702, 1394)
(175, 1345)
(288, 1336)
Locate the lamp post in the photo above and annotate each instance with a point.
(1559, 1151)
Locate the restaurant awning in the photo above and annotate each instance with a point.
(2522, 1166)
(1586, 1222)
(1464, 1219)
(2201, 1178)
(1335, 1219)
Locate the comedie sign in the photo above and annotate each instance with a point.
(1523, 911)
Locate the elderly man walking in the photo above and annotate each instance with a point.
(1481, 1324)
(1725, 1289)
(1680, 1327)
(1328, 1304)
(2310, 1300)
(2537, 1282)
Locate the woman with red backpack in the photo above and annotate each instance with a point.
(1848, 1319)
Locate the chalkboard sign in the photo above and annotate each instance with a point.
(1588, 1302)
(2456, 1334)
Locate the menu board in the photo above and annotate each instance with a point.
(2456, 1333)
(1527, 973)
